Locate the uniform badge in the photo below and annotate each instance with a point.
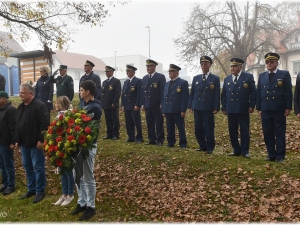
(212, 86)
(44, 82)
(132, 88)
(178, 89)
(197, 82)
(245, 85)
(111, 87)
(155, 85)
(279, 82)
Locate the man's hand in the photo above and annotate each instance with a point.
(39, 145)
(163, 115)
(215, 111)
(123, 110)
(259, 113)
(113, 105)
(142, 108)
(183, 114)
(250, 110)
(136, 108)
(287, 112)
(224, 112)
(12, 147)
(191, 110)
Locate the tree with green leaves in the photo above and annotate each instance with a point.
(54, 22)
(233, 29)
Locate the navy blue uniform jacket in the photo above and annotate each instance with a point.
(152, 90)
(44, 91)
(176, 98)
(131, 93)
(111, 92)
(277, 95)
(205, 97)
(94, 77)
(237, 98)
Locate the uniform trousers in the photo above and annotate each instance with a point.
(112, 122)
(155, 125)
(172, 120)
(242, 120)
(205, 129)
(274, 129)
(133, 120)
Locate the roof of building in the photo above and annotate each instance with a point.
(10, 43)
(76, 61)
(29, 54)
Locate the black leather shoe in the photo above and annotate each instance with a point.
(38, 197)
(159, 144)
(28, 194)
(209, 152)
(130, 140)
(234, 154)
(170, 146)
(201, 150)
(107, 137)
(139, 141)
(88, 213)
(3, 188)
(78, 209)
(115, 138)
(151, 143)
(246, 156)
(280, 160)
(182, 147)
(270, 159)
(8, 190)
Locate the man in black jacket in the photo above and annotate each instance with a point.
(7, 144)
(31, 121)
(111, 91)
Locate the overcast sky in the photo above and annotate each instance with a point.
(124, 31)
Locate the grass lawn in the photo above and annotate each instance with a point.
(139, 183)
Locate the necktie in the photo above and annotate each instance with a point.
(235, 80)
(150, 76)
(171, 83)
(271, 75)
(203, 78)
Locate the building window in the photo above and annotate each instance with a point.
(296, 38)
(296, 68)
(76, 75)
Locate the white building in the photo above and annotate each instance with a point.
(138, 61)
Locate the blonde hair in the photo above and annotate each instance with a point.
(64, 102)
(45, 69)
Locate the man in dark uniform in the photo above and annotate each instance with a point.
(274, 102)
(111, 91)
(64, 83)
(90, 75)
(238, 100)
(152, 92)
(2, 83)
(130, 102)
(204, 101)
(174, 105)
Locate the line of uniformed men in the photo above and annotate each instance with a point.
(158, 98)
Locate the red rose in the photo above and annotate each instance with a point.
(83, 116)
(87, 119)
(61, 155)
(45, 143)
(60, 131)
(55, 148)
(82, 139)
(53, 123)
(74, 110)
(71, 122)
(77, 128)
(87, 130)
(71, 137)
(49, 131)
(50, 149)
(59, 162)
(58, 139)
(61, 117)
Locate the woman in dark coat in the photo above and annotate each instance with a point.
(44, 88)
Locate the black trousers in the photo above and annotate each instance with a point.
(112, 122)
